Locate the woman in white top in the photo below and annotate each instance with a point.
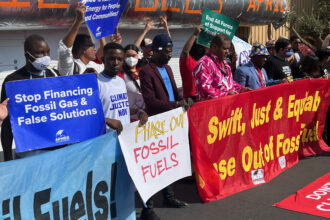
(131, 77)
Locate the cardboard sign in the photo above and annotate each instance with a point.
(214, 23)
(157, 154)
(48, 112)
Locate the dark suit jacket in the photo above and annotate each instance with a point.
(154, 91)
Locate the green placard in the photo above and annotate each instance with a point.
(214, 23)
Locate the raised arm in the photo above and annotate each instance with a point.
(187, 47)
(116, 37)
(146, 29)
(163, 23)
(71, 35)
(99, 53)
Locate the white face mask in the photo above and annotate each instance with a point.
(131, 61)
(40, 63)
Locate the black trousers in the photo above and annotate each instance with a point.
(168, 194)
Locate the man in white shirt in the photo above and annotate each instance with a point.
(77, 51)
(113, 91)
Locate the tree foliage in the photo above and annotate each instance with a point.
(315, 24)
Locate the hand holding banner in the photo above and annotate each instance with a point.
(54, 111)
(158, 154)
(214, 23)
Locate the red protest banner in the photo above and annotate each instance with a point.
(241, 141)
(313, 199)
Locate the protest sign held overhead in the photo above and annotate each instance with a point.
(158, 153)
(83, 181)
(54, 111)
(244, 140)
(214, 23)
(102, 16)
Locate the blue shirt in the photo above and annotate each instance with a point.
(167, 82)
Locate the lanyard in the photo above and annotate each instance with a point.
(223, 72)
(43, 72)
(261, 77)
(225, 75)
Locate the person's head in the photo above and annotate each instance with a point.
(113, 58)
(259, 55)
(131, 55)
(197, 51)
(162, 47)
(271, 47)
(323, 55)
(146, 46)
(83, 48)
(283, 48)
(310, 66)
(295, 43)
(220, 46)
(36, 51)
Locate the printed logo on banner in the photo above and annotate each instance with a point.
(258, 176)
(98, 32)
(61, 136)
(282, 162)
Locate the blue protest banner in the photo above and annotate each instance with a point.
(54, 111)
(88, 180)
(102, 16)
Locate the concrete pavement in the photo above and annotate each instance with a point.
(252, 204)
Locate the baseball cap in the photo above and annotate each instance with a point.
(147, 42)
(161, 41)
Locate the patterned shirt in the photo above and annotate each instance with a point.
(210, 82)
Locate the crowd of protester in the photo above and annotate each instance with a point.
(148, 81)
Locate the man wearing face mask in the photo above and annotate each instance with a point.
(277, 66)
(36, 51)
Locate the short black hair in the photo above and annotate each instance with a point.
(30, 39)
(323, 53)
(292, 38)
(309, 64)
(281, 43)
(79, 42)
(131, 47)
(220, 39)
(112, 46)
